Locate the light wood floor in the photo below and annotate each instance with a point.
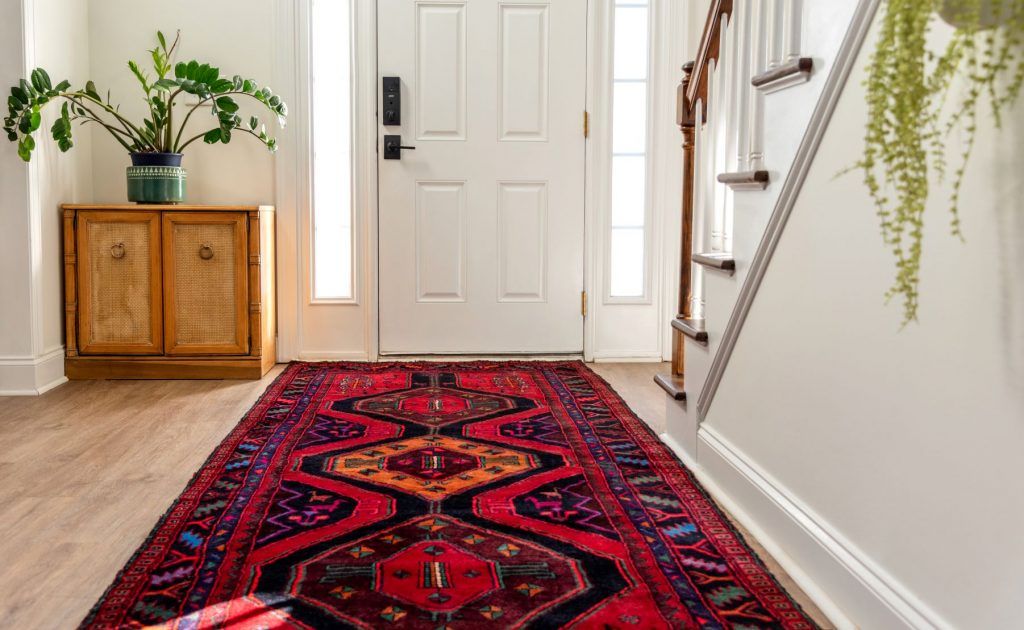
(87, 469)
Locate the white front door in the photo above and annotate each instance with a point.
(481, 226)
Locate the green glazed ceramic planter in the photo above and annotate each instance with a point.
(156, 184)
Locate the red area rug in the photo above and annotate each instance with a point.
(429, 495)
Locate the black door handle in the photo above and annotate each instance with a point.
(393, 147)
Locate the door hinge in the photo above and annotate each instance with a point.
(586, 124)
(583, 303)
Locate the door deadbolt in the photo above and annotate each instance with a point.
(392, 110)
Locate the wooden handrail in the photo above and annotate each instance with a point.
(708, 51)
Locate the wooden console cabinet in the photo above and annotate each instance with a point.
(174, 291)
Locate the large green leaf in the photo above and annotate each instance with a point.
(20, 94)
(221, 85)
(209, 75)
(27, 89)
(165, 85)
(227, 104)
(40, 80)
(212, 136)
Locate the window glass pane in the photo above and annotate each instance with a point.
(629, 190)
(629, 118)
(330, 65)
(631, 43)
(627, 262)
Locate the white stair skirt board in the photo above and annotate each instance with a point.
(32, 376)
(847, 585)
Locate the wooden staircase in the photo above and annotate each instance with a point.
(747, 50)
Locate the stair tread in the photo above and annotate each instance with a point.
(745, 180)
(692, 328)
(716, 260)
(790, 73)
(673, 385)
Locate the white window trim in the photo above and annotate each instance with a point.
(294, 181)
(664, 158)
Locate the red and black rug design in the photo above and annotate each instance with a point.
(432, 495)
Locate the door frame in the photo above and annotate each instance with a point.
(294, 178)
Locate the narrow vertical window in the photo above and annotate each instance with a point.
(331, 144)
(628, 238)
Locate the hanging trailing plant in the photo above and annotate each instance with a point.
(910, 117)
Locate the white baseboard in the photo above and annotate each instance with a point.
(628, 357)
(357, 355)
(846, 584)
(32, 376)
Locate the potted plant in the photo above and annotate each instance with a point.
(157, 143)
(916, 97)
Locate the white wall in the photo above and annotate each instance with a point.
(15, 252)
(904, 444)
(53, 35)
(235, 35)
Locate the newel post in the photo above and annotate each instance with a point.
(684, 119)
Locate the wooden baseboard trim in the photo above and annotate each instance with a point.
(86, 368)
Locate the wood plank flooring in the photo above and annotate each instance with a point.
(87, 469)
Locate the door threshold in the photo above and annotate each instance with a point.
(511, 356)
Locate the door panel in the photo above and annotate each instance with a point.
(205, 280)
(481, 227)
(119, 310)
(441, 241)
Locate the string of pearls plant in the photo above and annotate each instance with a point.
(911, 115)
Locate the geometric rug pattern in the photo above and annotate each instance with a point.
(444, 495)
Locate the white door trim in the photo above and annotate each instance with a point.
(293, 173)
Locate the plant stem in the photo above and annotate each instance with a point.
(113, 130)
(181, 149)
(184, 123)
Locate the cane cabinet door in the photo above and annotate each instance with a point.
(119, 283)
(205, 283)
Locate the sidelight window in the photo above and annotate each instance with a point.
(629, 217)
(331, 148)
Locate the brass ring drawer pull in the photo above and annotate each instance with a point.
(205, 251)
(117, 250)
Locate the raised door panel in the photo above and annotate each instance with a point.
(441, 70)
(119, 310)
(205, 283)
(441, 241)
(524, 65)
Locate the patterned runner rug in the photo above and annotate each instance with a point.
(432, 495)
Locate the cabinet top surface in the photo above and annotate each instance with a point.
(141, 207)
